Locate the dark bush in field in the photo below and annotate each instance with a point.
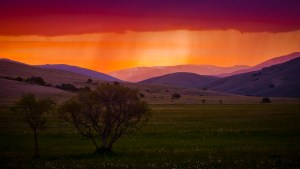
(116, 83)
(266, 100)
(67, 87)
(176, 96)
(142, 95)
(36, 80)
(89, 81)
(105, 114)
(19, 79)
(271, 86)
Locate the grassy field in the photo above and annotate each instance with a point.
(177, 136)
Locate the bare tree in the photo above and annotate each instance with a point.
(105, 114)
(33, 110)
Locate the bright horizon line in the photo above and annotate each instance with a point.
(109, 52)
(13, 60)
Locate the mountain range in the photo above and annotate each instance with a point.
(278, 77)
(267, 63)
(281, 80)
(142, 73)
(278, 80)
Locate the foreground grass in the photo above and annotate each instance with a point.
(177, 136)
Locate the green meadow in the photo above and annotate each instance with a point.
(176, 136)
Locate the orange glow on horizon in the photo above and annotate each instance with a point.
(106, 52)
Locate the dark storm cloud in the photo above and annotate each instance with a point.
(52, 17)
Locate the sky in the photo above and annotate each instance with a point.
(109, 35)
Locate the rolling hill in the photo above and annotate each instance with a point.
(281, 80)
(80, 71)
(182, 79)
(273, 61)
(142, 73)
(10, 90)
(13, 69)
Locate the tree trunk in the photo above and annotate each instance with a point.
(109, 146)
(36, 147)
(103, 150)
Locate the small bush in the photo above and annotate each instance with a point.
(176, 96)
(271, 86)
(89, 81)
(36, 80)
(8, 78)
(116, 83)
(266, 100)
(67, 87)
(19, 79)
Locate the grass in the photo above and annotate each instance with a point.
(177, 136)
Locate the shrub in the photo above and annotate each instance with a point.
(89, 81)
(67, 87)
(176, 96)
(271, 86)
(36, 80)
(19, 79)
(142, 95)
(266, 100)
(116, 83)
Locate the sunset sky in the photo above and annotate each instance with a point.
(108, 35)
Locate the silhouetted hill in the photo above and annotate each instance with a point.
(81, 71)
(282, 80)
(13, 69)
(273, 61)
(142, 73)
(182, 79)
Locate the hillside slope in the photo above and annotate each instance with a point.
(282, 80)
(267, 63)
(142, 73)
(80, 71)
(11, 90)
(14, 69)
(182, 79)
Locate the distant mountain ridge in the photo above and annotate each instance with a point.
(281, 80)
(80, 71)
(142, 73)
(183, 79)
(267, 63)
